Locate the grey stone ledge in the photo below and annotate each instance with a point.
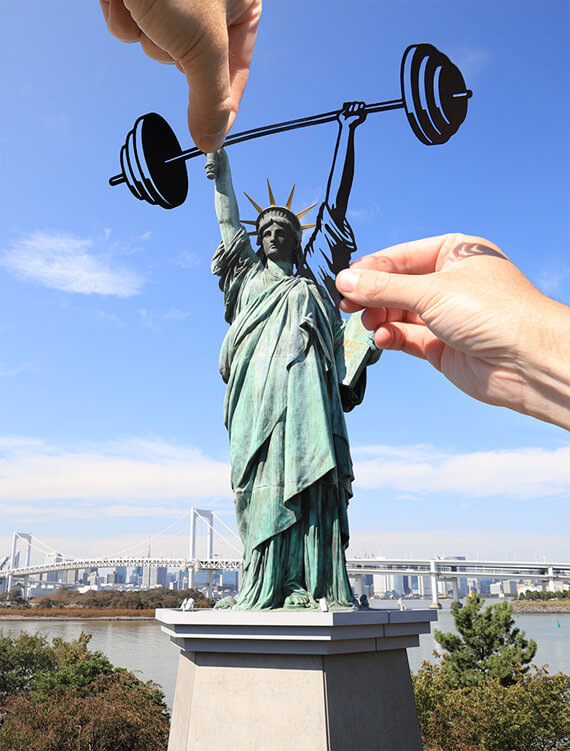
(285, 632)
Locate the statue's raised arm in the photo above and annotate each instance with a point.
(225, 201)
(332, 242)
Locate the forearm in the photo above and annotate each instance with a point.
(545, 364)
(342, 172)
(225, 201)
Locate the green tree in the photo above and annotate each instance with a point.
(487, 645)
(13, 598)
(530, 714)
(118, 713)
(60, 696)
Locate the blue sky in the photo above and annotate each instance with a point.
(110, 321)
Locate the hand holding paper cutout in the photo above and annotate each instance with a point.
(460, 303)
(210, 41)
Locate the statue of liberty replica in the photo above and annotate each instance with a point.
(283, 360)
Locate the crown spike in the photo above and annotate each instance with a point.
(302, 213)
(271, 198)
(307, 226)
(255, 205)
(248, 221)
(290, 199)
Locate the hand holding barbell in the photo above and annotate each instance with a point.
(434, 97)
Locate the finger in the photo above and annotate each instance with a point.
(411, 339)
(207, 72)
(375, 289)
(241, 42)
(349, 307)
(154, 51)
(416, 257)
(374, 317)
(119, 21)
(427, 255)
(195, 35)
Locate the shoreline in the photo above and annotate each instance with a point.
(560, 607)
(544, 606)
(76, 614)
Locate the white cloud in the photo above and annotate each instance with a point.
(153, 471)
(119, 484)
(517, 473)
(121, 472)
(187, 259)
(469, 59)
(68, 263)
(6, 371)
(151, 319)
(370, 210)
(110, 318)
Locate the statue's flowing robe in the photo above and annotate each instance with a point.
(282, 360)
(328, 251)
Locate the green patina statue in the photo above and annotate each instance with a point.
(284, 363)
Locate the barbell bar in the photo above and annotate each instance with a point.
(434, 98)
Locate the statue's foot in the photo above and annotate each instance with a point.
(226, 603)
(300, 598)
(334, 605)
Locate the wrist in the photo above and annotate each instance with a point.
(545, 365)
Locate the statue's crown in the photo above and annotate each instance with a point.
(275, 212)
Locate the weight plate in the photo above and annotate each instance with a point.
(126, 168)
(166, 183)
(434, 94)
(453, 95)
(136, 170)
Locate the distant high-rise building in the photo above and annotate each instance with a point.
(70, 577)
(52, 576)
(154, 576)
(121, 572)
(93, 578)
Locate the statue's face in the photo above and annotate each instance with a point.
(278, 242)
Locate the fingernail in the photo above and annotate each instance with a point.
(214, 142)
(347, 280)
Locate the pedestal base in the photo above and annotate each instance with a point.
(305, 681)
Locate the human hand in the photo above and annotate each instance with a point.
(210, 41)
(352, 113)
(458, 302)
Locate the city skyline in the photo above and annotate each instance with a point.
(112, 406)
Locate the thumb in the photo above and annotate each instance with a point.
(206, 68)
(381, 289)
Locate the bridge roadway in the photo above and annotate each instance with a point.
(438, 569)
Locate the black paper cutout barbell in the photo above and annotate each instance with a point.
(434, 97)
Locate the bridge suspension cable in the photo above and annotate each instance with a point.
(230, 530)
(33, 543)
(219, 534)
(148, 539)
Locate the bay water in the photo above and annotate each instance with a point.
(140, 646)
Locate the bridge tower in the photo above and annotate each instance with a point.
(206, 516)
(24, 537)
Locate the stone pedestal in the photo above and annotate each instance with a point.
(309, 681)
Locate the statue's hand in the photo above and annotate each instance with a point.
(218, 167)
(210, 165)
(352, 114)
